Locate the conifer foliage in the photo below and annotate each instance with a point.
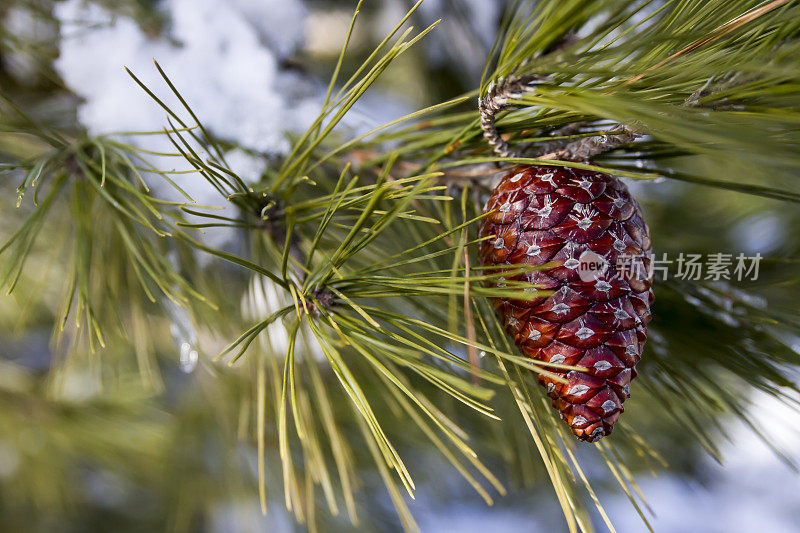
(357, 319)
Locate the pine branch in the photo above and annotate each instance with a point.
(84, 181)
(366, 317)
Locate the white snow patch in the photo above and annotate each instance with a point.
(263, 298)
(215, 55)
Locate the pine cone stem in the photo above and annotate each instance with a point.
(496, 100)
(500, 97)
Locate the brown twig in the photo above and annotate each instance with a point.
(499, 97)
(585, 149)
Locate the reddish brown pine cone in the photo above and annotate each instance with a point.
(588, 231)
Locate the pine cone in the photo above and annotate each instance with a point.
(587, 232)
